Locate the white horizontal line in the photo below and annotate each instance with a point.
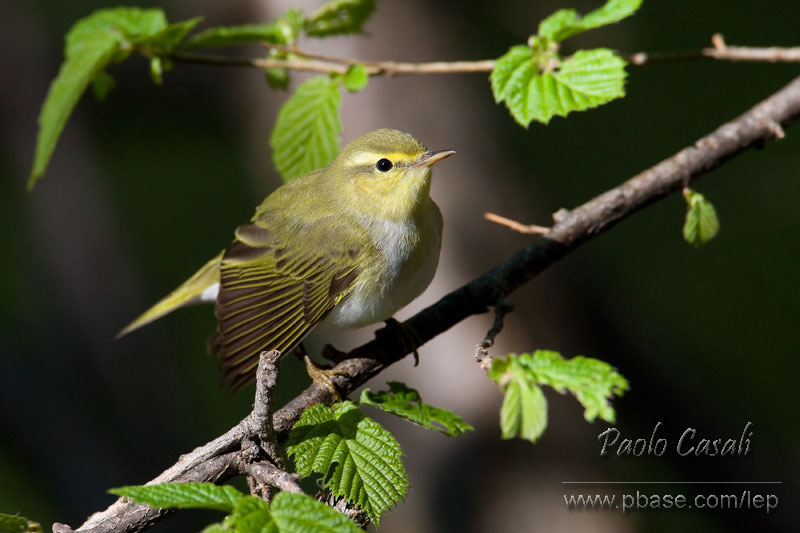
(672, 482)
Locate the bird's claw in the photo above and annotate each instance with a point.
(323, 377)
(409, 338)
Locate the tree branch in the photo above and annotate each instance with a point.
(309, 62)
(215, 462)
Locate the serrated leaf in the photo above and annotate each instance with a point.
(339, 17)
(358, 459)
(10, 522)
(587, 79)
(299, 513)
(90, 45)
(131, 24)
(566, 22)
(591, 381)
(355, 78)
(505, 67)
(406, 403)
(183, 495)
(524, 411)
(251, 515)
(306, 134)
(702, 223)
(234, 35)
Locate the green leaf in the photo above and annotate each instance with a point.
(291, 24)
(233, 35)
(157, 70)
(358, 459)
(91, 44)
(299, 513)
(701, 223)
(524, 411)
(277, 78)
(306, 134)
(566, 22)
(166, 40)
(102, 84)
(251, 514)
(355, 78)
(587, 79)
(183, 495)
(591, 381)
(10, 522)
(519, 57)
(339, 17)
(406, 403)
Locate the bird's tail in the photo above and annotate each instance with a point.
(191, 291)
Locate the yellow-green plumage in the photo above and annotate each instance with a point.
(346, 246)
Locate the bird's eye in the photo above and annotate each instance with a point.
(384, 165)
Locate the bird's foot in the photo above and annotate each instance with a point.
(408, 337)
(323, 377)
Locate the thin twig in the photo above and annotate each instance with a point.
(529, 229)
(312, 62)
(571, 230)
(272, 475)
(501, 308)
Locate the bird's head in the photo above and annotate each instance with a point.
(387, 173)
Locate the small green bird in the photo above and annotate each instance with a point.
(343, 246)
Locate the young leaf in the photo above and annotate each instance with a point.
(10, 522)
(300, 513)
(566, 22)
(406, 403)
(339, 17)
(355, 78)
(91, 44)
(183, 495)
(591, 381)
(306, 134)
(368, 471)
(702, 223)
(524, 411)
(166, 40)
(277, 78)
(518, 57)
(587, 79)
(233, 35)
(102, 84)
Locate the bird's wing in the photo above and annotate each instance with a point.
(272, 291)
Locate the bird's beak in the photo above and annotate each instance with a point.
(429, 158)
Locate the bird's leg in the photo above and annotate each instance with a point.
(300, 351)
(323, 377)
(330, 353)
(408, 337)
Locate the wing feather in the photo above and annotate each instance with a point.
(271, 296)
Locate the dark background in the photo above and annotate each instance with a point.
(145, 187)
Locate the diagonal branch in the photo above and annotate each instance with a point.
(214, 462)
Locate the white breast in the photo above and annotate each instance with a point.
(412, 257)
